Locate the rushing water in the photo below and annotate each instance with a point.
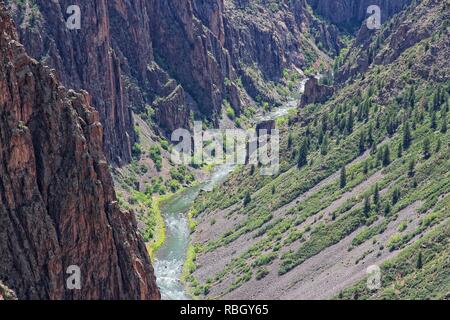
(170, 258)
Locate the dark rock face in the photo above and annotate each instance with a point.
(132, 55)
(383, 47)
(191, 53)
(315, 92)
(348, 14)
(83, 59)
(57, 203)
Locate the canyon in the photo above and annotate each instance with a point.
(86, 177)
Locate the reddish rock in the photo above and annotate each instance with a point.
(315, 92)
(57, 203)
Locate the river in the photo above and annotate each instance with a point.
(170, 258)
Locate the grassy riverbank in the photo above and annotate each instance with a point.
(160, 229)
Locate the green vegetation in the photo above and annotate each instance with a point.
(155, 155)
(397, 144)
(419, 272)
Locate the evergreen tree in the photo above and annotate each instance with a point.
(419, 263)
(370, 136)
(406, 136)
(290, 140)
(362, 144)
(380, 154)
(303, 155)
(396, 196)
(247, 199)
(426, 148)
(433, 124)
(411, 168)
(438, 145)
(387, 209)
(412, 97)
(386, 156)
(324, 146)
(444, 127)
(376, 195)
(366, 167)
(343, 179)
(366, 209)
(350, 121)
(320, 136)
(436, 100)
(273, 189)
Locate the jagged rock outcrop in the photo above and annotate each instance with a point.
(57, 203)
(315, 92)
(265, 38)
(128, 54)
(171, 111)
(348, 14)
(83, 59)
(383, 47)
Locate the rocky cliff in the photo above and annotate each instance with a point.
(158, 58)
(315, 92)
(83, 59)
(57, 203)
(348, 14)
(382, 47)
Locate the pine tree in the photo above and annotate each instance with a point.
(362, 144)
(366, 168)
(343, 179)
(444, 127)
(350, 121)
(436, 100)
(426, 148)
(396, 196)
(386, 156)
(433, 124)
(324, 146)
(419, 263)
(366, 209)
(274, 189)
(370, 136)
(247, 199)
(290, 140)
(387, 209)
(438, 145)
(376, 195)
(303, 155)
(406, 136)
(412, 97)
(320, 136)
(411, 168)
